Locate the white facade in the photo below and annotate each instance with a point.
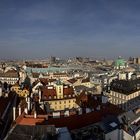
(9, 80)
(35, 88)
(121, 135)
(124, 101)
(113, 135)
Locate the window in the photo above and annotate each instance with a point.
(120, 96)
(44, 97)
(59, 90)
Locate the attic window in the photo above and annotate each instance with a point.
(113, 124)
(45, 97)
(50, 97)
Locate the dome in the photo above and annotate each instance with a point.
(119, 62)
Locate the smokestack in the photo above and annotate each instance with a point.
(39, 95)
(0, 90)
(19, 109)
(26, 110)
(35, 114)
(14, 113)
(28, 103)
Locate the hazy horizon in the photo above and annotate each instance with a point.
(33, 29)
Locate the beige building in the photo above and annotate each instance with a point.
(80, 81)
(10, 77)
(125, 93)
(59, 96)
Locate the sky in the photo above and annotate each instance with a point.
(68, 28)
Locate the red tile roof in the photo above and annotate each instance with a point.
(82, 97)
(72, 81)
(47, 92)
(35, 75)
(85, 80)
(60, 74)
(78, 121)
(74, 121)
(11, 73)
(30, 120)
(45, 81)
(68, 91)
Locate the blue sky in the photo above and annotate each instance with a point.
(66, 28)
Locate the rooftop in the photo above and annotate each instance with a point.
(125, 86)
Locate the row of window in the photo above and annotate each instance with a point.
(12, 79)
(61, 102)
(131, 96)
(60, 97)
(62, 107)
(11, 82)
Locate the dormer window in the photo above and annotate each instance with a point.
(45, 97)
(50, 97)
(69, 95)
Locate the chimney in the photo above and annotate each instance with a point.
(19, 110)
(26, 110)
(14, 113)
(39, 95)
(0, 91)
(35, 114)
(28, 103)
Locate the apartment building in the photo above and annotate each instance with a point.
(125, 93)
(10, 77)
(58, 96)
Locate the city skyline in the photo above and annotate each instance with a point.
(89, 28)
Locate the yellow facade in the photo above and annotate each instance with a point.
(120, 99)
(59, 91)
(86, 84)
(63, 104)
(62, 100)
(19, 91)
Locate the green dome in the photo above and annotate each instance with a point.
(119, 62)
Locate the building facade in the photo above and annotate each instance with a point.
(10, 77)
(58, 96)
(125, 93)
